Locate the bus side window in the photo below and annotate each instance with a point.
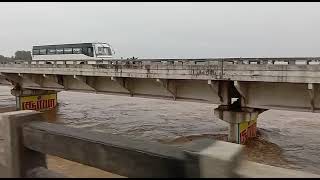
(60, 51)
(51, 51)
(43, 51)
(77, 50)
(36, 52)
(109, 51)
(85, 51)
(67, 50)
(90, 52)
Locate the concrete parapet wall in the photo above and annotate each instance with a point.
(16, 160)
(26, 140)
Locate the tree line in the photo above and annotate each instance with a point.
(18, 55)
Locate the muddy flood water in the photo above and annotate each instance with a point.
(285, 138)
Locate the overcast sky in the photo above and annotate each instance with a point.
(177, 30)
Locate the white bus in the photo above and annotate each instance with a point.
(79, 51)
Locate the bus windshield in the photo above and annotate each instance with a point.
(103, 51)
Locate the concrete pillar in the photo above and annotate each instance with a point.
(34, 99)
(15, 159)
(242, 121)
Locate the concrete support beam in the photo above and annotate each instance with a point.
(75, 82)
(40, 82)
(84, 80)
(32, 80)
(312, 94)
(4, 80)
(28, 80)
(225, 89)
(51, 81)
(15, 159)
(13, 78)
(216, 87)
(242, 89)
(124, 83)
(165, 84)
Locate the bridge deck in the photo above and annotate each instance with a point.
(212, 70)
(268, 83)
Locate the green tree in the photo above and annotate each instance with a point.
(3, 58)
(23, 55)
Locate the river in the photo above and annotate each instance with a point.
(285, 138)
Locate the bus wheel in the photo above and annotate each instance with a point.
(48, 63)
(81, 62)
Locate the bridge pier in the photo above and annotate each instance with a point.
(242, 121)
(34, 99)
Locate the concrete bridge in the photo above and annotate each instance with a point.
(243, 87)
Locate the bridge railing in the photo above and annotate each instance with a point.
(203, 61)
(27, 139)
